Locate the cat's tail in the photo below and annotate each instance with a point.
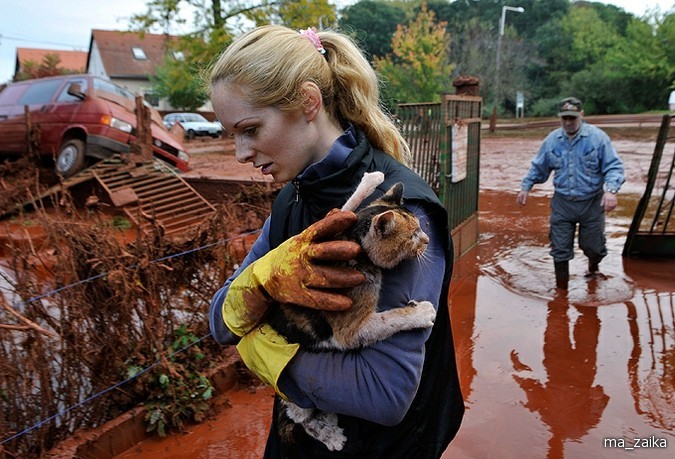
(369, 182)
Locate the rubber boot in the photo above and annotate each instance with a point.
(562, 274)
(593, 268)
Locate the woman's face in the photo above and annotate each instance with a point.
(281, 144)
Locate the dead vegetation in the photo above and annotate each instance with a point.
(19, 180)
(94, 322)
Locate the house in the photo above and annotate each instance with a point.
(128, 59)
(70, 61)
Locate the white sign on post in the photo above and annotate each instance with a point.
(520, 104)
(460, 147)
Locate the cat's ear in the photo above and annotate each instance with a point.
(384, 223)
(395, 194)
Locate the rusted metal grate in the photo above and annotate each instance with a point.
(153, 193)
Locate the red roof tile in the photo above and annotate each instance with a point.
(70, 60)
(115, 48)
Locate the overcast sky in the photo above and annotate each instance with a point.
(67, 24)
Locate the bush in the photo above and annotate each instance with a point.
(85, 311)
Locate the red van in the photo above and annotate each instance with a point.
(81, 118)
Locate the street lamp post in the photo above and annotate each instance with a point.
(505, 8)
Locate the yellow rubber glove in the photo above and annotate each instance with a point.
(294, 273)
(266, 353)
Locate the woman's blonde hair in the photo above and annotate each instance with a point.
(269, 63)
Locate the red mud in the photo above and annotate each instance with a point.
(239, 432)
(542, 376)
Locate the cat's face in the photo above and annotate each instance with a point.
(394, 236)
(394, 233)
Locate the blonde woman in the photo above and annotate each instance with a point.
(304, 108)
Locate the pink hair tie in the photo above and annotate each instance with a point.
(312, 36)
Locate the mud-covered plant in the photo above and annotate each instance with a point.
(179, 391)
(115, 306)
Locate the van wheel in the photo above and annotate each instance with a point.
(70, 159)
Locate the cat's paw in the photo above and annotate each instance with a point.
(336, 441)
(424, 313)
(324, 427)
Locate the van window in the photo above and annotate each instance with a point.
(40, 92)
(65, 97)
(107, 86)
(11, 94)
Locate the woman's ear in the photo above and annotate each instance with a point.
(312, 100)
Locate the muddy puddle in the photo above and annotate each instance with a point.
(554, 376)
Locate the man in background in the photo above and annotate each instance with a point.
(587, 176)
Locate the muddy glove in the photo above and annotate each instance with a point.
(293, 273)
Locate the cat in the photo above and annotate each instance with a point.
(388, 234)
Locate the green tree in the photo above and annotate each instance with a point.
(180, 85)
(636, 73)
(373, 23)
(591, 36)
(418, 68)
(301, 14)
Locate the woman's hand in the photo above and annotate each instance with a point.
(296, 272)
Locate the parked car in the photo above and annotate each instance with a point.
(194, 124)
(81, 118)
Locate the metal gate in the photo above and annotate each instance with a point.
(652, 232)
(444, 139)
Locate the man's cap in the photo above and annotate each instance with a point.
(570, 106)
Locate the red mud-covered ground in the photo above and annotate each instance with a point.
(582, 375)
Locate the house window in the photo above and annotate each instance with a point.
(178, 55)
(139, 54)
(152, 99)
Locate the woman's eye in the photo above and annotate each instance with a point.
(251, 131)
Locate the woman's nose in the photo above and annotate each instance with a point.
(242, 151)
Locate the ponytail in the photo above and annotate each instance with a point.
(270, 63)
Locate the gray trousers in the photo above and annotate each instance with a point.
(566, 214)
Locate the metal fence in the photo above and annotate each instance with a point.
(445, 141)
(652, 232)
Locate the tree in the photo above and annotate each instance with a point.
(373, 23)
(591, 36)
(301, 14)
(183, 87)
(418, 68)
(638, 67)
(50, 66)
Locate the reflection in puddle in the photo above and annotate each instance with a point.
(556, 376)
(567, 400)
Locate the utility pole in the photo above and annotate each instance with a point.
(505, 8)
